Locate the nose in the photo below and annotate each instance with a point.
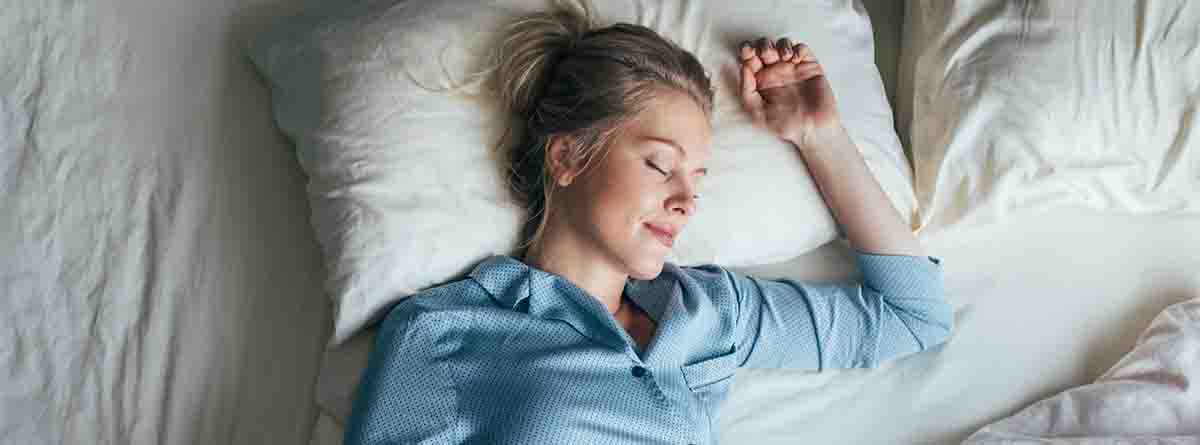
(683, 201)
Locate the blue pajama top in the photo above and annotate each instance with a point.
(516, 355)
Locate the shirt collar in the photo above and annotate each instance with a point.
(505, 278)
(510, 282)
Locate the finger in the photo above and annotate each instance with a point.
(802, 53)
(746, 51)
(808, 70)
(779, 75)
(749, 93)
(787, 74)
(766, 51)
(749, 86)
(748, 56)
(784, 46)
(753, 62)
(776, 76)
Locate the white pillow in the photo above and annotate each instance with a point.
(1024, 106)
(406, 196)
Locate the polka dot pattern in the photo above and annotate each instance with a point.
(516, 355)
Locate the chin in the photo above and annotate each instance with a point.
(647, 268)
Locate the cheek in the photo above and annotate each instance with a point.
(624, 202)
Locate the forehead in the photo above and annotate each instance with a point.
(677, 118)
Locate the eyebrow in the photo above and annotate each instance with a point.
(702, 171)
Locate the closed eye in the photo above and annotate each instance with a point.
(656, 168)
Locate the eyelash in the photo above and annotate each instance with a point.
(655, 168)
(664, 173)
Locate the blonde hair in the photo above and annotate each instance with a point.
(561, 75)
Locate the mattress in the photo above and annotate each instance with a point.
(159, 282)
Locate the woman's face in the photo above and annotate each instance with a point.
(632, 204)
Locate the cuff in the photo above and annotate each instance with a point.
(903, 276)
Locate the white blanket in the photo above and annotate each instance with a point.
(1152, 395)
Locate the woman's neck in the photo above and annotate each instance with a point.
(561, 253)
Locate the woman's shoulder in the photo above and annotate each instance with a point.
(715, 282)
(453, 299)
(705, 271)
(706, 275)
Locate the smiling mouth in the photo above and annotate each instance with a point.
(663, 237)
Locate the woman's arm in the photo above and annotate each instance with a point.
(784, 89)
(896, 310)
(406, 394)
(859, 205)
(898, 307)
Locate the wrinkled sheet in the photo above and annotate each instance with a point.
(1042, 304)
(1150, 395)
(159, 280)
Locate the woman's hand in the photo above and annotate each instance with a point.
(784, 89)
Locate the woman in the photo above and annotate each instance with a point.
(587, 336)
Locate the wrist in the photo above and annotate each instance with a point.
(820, 137)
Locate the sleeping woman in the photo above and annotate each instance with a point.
(587, 335)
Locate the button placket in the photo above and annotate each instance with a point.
(644, 375)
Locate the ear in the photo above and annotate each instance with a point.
(562, 168)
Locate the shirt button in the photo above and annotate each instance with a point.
(639, 371)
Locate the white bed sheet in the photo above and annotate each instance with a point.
(159, 280)
(1042, 304)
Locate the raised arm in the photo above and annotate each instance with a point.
(784, 88)
(898, 308)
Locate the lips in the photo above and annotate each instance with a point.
(664, 233)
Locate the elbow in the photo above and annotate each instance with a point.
(937, 336)
(935, 328)
(928, 316)
(915, 331)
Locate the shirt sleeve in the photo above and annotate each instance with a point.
(406, 395)
(897, 309)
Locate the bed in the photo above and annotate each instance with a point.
(157, 281)
(162, 283)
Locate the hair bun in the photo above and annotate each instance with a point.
(532, 47)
